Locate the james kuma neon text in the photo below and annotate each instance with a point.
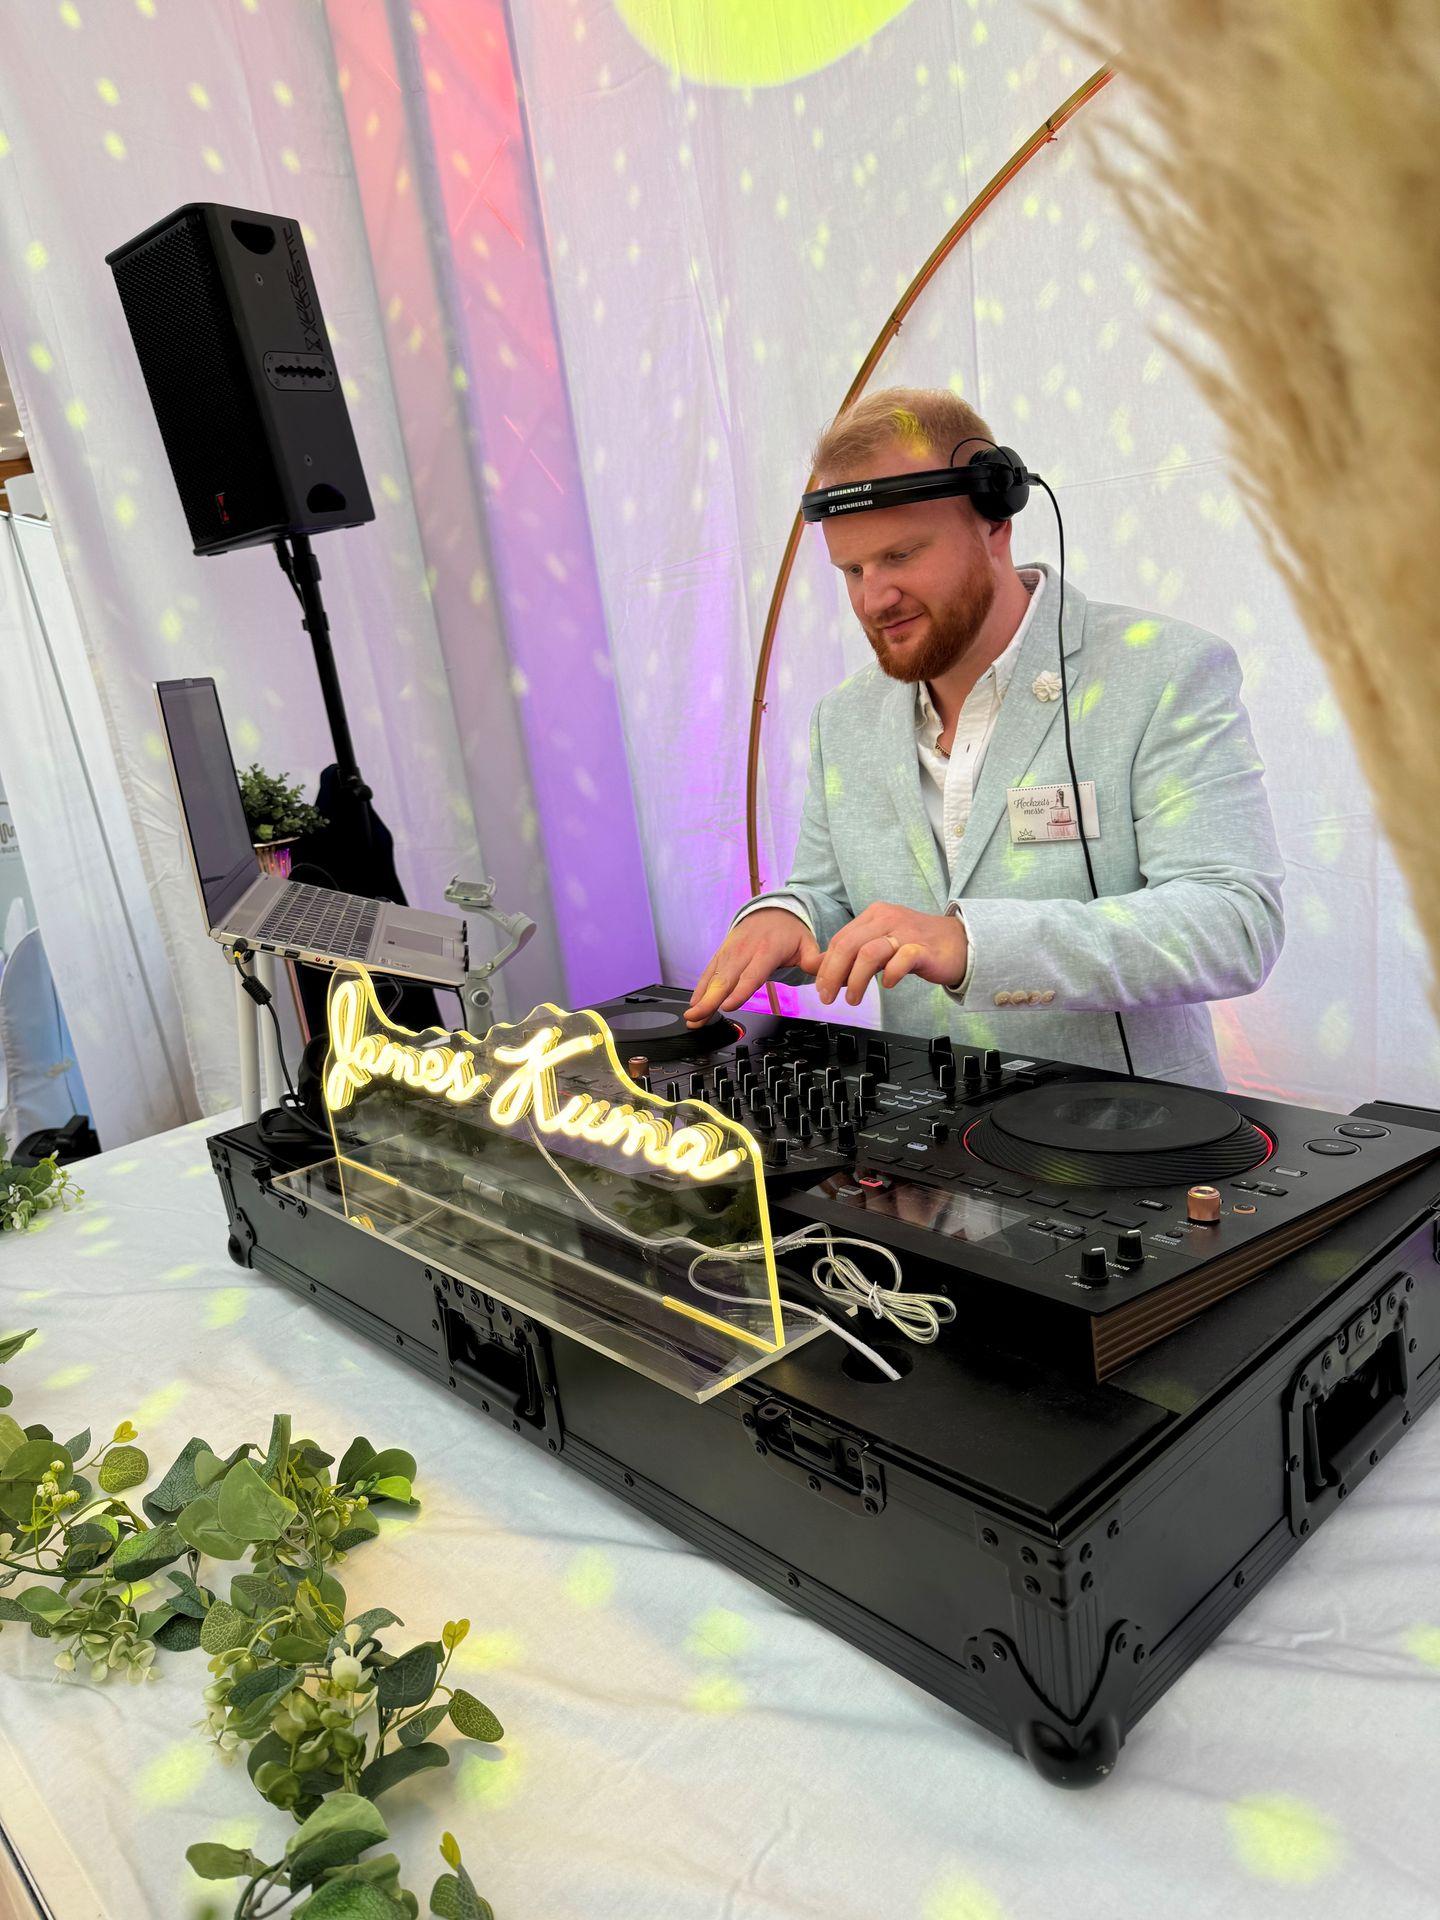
(358, 1056)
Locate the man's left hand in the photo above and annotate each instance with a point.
(892, 942)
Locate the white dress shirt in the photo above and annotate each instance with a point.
(947, 780)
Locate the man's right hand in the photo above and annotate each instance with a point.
(755, 950)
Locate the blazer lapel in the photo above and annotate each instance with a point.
(902, 768)
(1023, 723)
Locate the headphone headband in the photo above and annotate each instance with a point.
(996, 479)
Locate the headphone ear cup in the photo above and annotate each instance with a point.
(1004, 490)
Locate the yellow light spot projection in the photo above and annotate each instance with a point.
(146, 7)
(1424, 1644)
(1335, 1029)
(70, 14)
(957, 1899)
(484, 1652)
(290, 160)
(248, 735)
(199, 96)
(40, 357)
(223, 1309)
(1141, 633)
(114, 145)
(1091, 698)
(67, 1377)
(37, 257)
(756, 46)
(716, 1694)
(153, 1409)
(283, 94)
(78, 414)
(4, 145)
(491, 1778)
(172, 1776)
(108, 92)
(1280, 1838)
(125, 510)
(171, 625)
(212, 159)
(186, 1270)
(390, 487)
(719, 1634)
(590, 1581)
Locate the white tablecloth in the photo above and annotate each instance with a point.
(680, 1746)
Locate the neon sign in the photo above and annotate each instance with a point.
(365, 1047)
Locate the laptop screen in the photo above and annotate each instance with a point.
(209, 793)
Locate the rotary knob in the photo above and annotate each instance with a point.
(992, 1064)
(845, 1137)
(939, 1131)
(672, 1089)
(804, 1129)
(945, 1075)
(847, 1047)
(1130, 1248)
(866, 1091)
(697, 1086)
(1094, 1266)
(777, 1154)
(970, 1069)
(637, 1066)
(790, 1109)
(1202, 1204)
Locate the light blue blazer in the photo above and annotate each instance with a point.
(1186, 862)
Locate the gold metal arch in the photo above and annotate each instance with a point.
(1041, 137)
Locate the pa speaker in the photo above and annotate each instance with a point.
(227, 325)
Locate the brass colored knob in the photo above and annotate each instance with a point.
(1203, 1204)
(637, 1064)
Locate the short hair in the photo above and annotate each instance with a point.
(927, 422)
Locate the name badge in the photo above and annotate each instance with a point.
(1048, 812)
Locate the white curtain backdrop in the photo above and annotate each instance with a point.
(94, 910)
(735, 201)
(114, 115)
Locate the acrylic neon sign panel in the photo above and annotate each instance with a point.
(528, 1164)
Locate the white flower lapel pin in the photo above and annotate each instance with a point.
(1046, 686)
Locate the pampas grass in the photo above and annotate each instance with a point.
(1288, 201)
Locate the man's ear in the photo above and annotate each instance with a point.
(996, 535)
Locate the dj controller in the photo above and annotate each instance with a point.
(1073, 1213)
(1188, 1326)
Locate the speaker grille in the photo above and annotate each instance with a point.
(178, 312)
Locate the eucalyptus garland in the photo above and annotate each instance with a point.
(326, 1717)
(27, 1192)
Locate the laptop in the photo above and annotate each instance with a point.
(284, 917)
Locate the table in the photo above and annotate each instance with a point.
(679, 1745)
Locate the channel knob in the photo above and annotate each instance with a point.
(1202, 1204)
(1130, 1247)
(1094, 1266)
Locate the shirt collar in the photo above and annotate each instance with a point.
(1001, 669)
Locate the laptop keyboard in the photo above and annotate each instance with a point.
(325, 922)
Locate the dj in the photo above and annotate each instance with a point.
(939, 850)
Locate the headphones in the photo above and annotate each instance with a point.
(997, 483)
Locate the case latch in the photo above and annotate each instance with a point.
(839, 1466)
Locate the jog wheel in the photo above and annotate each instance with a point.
(645, 1023)
(1118, 1133)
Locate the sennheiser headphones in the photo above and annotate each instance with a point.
(997, 484)
(996, 481)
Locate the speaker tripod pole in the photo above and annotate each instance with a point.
(303, 571)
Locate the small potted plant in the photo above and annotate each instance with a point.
(277, 815)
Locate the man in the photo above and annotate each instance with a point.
(938, 852)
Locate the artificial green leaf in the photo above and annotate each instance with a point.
(12, 1436)
(454, 1898)
(423, 1725)
(11, 1609)
(148, 1624)
(141, 1554)
(123, 1468)
(249, 1509)
(350, 1900)
(337, 1832)
(214, 1862)
(411, 1679)
(332, 1593)
(392, 1460)
(11, 1344)
(189, 1598)
(267, 1749)
(452, 1633)
(279, 1446)
(253, 1697)
(79, 1446)
(87, 1544)
(363, 1527)
(223, 1627)
(6, 1396)
(30, 1462)
(179, 1485)
(391, 1768)
(43, 1600)
(449, 1849)
(257, 1593)
(180, 1633)
(298, 1649)
(369, 1623)
(207, 1469)
(394, 1486)
(313, 1459)
(199, 1528)
(354, 1461)
(473, 1718)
